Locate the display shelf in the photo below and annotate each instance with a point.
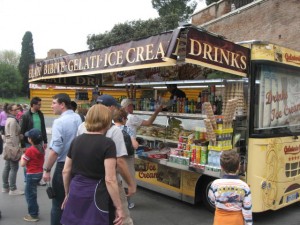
(164, 162)
(151, 138)
(213, 171)
(197, 168)
(177, 166)
(202, 169)
(148, 159)
(172, 114)
(217, 148)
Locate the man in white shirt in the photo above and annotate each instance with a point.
(135, 121)
(116, 135)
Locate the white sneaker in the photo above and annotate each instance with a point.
(16, 192)
(42, 183)
(131, 205)
(5, 190)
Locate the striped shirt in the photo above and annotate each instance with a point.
(232, 194)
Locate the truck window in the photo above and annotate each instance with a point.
(276, 100)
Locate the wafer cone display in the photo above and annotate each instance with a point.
(235, 91)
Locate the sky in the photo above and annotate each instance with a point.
(65, 24)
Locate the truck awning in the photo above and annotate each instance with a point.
(183, 45)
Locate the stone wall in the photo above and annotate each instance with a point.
(275, 21)
(53, 53)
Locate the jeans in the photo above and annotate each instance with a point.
(9, 175)
(58, 188)
(32, 181)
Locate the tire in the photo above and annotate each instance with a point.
(204, 187)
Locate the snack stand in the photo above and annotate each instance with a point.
(244, 97)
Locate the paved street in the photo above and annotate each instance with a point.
(151, 208)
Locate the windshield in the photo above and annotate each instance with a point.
(277, 100)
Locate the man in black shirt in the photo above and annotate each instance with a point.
(172, 88)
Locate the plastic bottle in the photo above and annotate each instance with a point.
(198, 104)
(219, 123)
(213, 158)
(203, 157)
(186, 106)
(152, 103)
(217, 159)
(192, 109)
(209, 158)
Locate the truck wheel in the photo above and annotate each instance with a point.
(204, 187)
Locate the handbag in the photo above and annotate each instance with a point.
(50, 192)
(13, 153)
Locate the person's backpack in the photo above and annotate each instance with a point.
(128, 143)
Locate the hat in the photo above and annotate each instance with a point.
(107, 100)
(126, 102)
(35, 135)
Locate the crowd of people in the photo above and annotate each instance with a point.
(73, 170)
(89, 162)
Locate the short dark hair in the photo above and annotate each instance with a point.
(171, 85)
(35, 101)
(73, 105)
(63, 98)
(230, 161)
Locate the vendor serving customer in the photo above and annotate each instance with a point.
(135, 121)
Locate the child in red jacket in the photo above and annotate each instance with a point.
(33, 159)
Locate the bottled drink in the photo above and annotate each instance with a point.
(203, 154)
(174, 104)
(217, 159)
(198, 104)
(142, 104)
(186, 105)
(210, 158)
(192, 106)
(152, 103)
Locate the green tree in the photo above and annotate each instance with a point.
(180, 10)
(10, 57)
(10, 80)
(171, 12)
(208, 2)
(27, 58)
(124, 32)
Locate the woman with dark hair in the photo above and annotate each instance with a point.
(89, 175)
(12, 139)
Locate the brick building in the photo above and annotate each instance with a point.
(53, 53)
(275, 21)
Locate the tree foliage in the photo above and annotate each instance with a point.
(208, 2)
(10, 57)
(170, 11)
(10, 80)
(178, 9)
(124, 32)
(27, 58)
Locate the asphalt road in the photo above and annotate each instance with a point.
(151, 208)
